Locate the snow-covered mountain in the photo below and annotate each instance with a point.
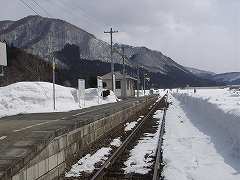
(201, 73)
(40, 36)
(232, 78)
(152, 60)
(36, 33)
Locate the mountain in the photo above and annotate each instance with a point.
(201, 73)
(153, 61)
(40, 36)
(231, 78)
(171, 77)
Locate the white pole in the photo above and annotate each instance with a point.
(53, 69)
(81, 92)
(54, 92)
(99, 88)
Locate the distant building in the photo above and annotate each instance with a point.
(119, 91)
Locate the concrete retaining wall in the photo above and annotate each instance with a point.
(53, 160)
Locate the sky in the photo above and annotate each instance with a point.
(204, 34)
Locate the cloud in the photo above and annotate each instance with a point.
(198, 33)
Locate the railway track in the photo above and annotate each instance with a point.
(113, 166)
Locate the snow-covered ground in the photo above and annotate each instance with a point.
(36, 97)
(87, 163)
(141, 156)
(202, 139)
(130, 125)
(226, 100)
(161, 92)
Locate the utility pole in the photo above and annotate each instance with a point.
(144, 81)
(111, 32)
(138, 80)
(124, 75)
(144, 84)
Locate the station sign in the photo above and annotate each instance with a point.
(81, 92)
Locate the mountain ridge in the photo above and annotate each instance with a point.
(22, 34)
(228, 78)
(40, 36)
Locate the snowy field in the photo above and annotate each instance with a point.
(202, 139)
(36, 97)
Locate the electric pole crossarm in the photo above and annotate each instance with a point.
(110, 32)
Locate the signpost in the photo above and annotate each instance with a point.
(3, 57)
(100, 89)
(114, 82)
(81, 92)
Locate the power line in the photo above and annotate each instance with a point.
(87, 18)
(70, 13)
(28, 6)
(41, 8)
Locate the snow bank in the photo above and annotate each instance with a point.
(141, 156)
(219, 111)
(202, 139)
(36, 97)
(226, 100)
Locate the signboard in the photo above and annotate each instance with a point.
(100, 89)
(3, 54)
(81, 92)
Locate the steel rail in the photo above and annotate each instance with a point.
(101, 171)
(157, 166)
